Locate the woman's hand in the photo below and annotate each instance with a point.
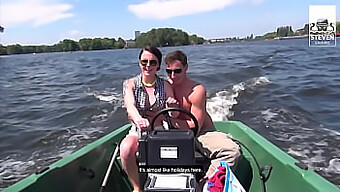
(172, 102)
(142, 123)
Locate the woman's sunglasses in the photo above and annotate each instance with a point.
(151, 62)
(177, 71)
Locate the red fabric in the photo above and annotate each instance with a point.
(217, 180)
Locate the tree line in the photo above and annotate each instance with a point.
(287, 31)
(163, 37)
(156, 37)
(66, 45)
(160, 37)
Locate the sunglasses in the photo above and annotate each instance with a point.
(151, 62)
(177, 71)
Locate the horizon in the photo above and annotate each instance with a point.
(54, 21)
(141, 33)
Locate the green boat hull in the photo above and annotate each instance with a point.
(84, 170)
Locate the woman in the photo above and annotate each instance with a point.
(144, 96)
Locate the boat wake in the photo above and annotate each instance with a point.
(292, 130)
(220, 105)
(308, 142)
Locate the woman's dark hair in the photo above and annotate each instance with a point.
(176, 55)
(155, 51)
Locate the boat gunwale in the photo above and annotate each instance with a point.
(315, 180)
(24, 183)
(247, 135)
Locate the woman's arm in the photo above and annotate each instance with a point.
(170, 98)
(130, 104)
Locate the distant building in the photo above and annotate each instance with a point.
(137, 34)
(129, 43)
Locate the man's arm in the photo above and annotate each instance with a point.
(197, 99)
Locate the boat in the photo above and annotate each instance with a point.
(263, 167)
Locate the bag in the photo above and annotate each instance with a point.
(223, 180)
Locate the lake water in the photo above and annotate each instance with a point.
(55, 103)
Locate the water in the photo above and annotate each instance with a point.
(54, 103)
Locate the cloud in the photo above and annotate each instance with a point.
(38, 12)
(165, 9)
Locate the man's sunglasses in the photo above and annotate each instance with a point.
(151, 62)
(177, 71)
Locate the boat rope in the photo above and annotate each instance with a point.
(263, 177)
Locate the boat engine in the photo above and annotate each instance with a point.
(166, 158)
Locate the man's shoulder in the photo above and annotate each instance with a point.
(197, 90)
(197, 87)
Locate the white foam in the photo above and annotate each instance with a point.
(92, 130)
(321, 144)
(296, 153)
(317, 156)
(74, 134)
(239, 87)
(78, 138)
(332, 131)
(64, 153)
(260, 81)
(99, 118)
(334, 166)
(268, 114)
(107, 98)
(11, 169)
(111, 96)
(220, 105)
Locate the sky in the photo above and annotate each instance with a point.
(46, 22)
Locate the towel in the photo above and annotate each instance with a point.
(223, 180)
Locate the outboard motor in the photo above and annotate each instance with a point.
(166, 158)
(167, 148)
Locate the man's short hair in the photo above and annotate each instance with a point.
(176, 55)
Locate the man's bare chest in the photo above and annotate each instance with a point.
(184, 101)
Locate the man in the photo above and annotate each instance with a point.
(191, 96)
